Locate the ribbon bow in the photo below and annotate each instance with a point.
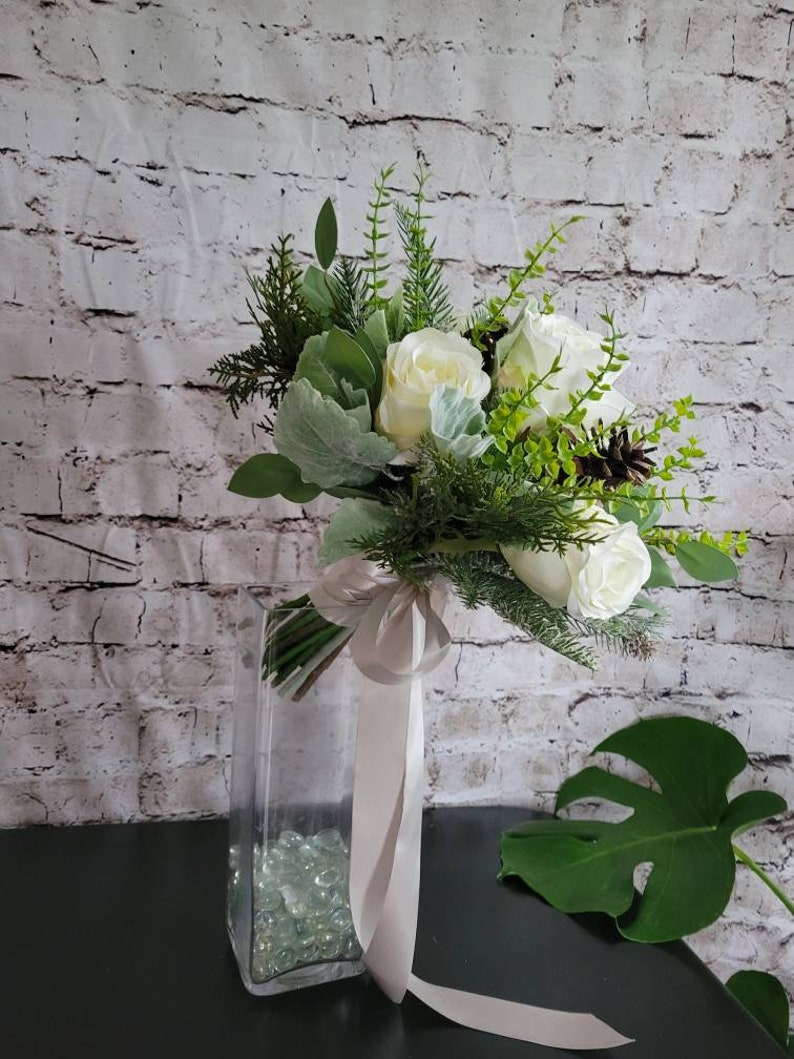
(400, 635)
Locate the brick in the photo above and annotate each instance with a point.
(697, 37)
(102, 279)
(688, 106)
(704, 312)
(734, 249)
(761, 45)
(699, 179)
(624, 173)
(603, 97)
(661, 242)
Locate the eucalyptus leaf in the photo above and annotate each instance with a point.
(684, 831)
(626, 511)
(325, 235)
(326, 442)
(395, 315)
(353, 520)
(457, 423)
(764, 996)
(270, 474)
(661, 575)
(346, 357)
(705, 563)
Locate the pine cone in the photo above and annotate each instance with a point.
(617, 459)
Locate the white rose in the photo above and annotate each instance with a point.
(597, 580)
(529, 349)
(414, 367)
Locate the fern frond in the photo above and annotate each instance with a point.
(375, 269)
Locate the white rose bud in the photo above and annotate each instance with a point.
(597, 580)
(529, 351)
(414, 367)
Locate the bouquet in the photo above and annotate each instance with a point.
(487, 450)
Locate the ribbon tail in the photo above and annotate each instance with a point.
(524, 1022)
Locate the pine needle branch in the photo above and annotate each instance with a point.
(426, 296)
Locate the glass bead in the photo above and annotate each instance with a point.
(290, 840)
(295, 900)
(306, 949)
(327, 878)
(341, 920)
(329, 839)
(269, 900)
(351, 950)
(318, 900)
(329, 944)
(284, 960)
(265, 921)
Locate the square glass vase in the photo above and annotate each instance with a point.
(288, 908)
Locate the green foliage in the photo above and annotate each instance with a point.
(269, 474)
(491, 317)
(661, 574)
(376, 267)
(353, 521)
(705, 563)
(285, 321)
(670, 540)
(349, 295)
(328, 443)
(483, 579)
(325, 235)
(452, 504)
(764, 997)
(345, 356)
(425, 295)
(684, 830)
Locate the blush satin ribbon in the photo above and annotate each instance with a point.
(400, 635)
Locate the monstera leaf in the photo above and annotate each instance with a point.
(684, 830)
(765, 998)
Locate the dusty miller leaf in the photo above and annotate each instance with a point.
(325, 441)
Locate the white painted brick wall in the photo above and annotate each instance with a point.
(149, 151)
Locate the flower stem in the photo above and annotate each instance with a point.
(745, 858)
(458, 547)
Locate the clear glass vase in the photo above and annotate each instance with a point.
(288, 911)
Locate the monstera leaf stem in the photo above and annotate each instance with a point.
(745, 858)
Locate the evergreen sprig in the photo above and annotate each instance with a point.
(265, 368)
(349, 293)
(450, 506)
(426, 296)
(483, 579)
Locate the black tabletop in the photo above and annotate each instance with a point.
(113, 946)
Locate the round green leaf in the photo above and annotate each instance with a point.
(325, 235)
(705, 563)
(661, 574)
(765, 998)
(270, 474)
